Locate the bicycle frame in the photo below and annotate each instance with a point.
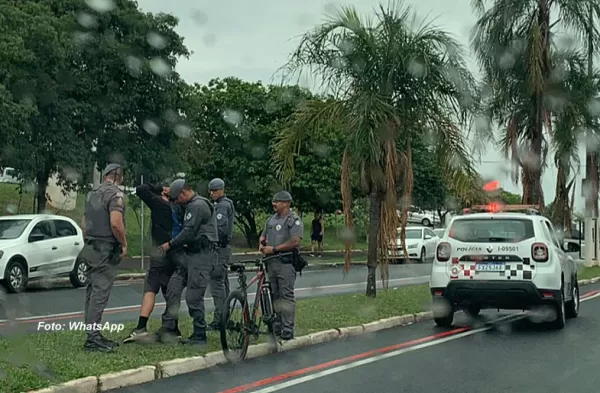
(260, 278)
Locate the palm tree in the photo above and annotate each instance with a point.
(515, 42)
(389, 84)
(576, 89)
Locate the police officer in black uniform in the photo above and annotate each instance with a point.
(283, 233)
(105, 245)
(225, 214)
(198, 237)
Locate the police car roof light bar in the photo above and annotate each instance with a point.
(499, 208)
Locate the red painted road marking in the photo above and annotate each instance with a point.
(337, 362)
(354, 358)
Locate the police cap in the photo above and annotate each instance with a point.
(109, 168)
(282, 196)
(216, 184)
(175, 188)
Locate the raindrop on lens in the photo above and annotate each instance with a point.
(86, 20)
(160, 67)
(182, 131)
(151, 127)
(101, 5)
(156, 40)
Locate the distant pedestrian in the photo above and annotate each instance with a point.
(199, 239)
(316, 236)
(283, 232)
(165, 221)
(105, 245)
(225, 214)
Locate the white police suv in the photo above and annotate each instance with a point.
(506, 257)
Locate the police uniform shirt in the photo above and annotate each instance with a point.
(198, 220)
(225, 212)
(280, 229)
(103, 200)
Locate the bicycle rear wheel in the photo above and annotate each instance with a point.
(235, 327)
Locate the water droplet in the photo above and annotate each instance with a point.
(70, 174)
(506, 61)
(87, 20)
(156, 40)
(12, 209)
(160, 67)
(29, 187)
(81, 38)
(209, 39)
(170, 116)
(258, 152)
(134, 65)
(417, 68)
(200, 17)
(151, 127)
(183, 131)
(347, 235)
(232, 117)
(101, 5)
(593, 107)
(321, 150)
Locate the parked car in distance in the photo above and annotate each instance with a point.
(421, 244)
(38, 246)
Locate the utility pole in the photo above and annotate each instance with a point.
(590, 186)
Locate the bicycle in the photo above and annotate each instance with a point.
(250, 323)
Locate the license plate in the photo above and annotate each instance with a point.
(490, 267)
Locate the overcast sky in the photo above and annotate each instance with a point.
(252, 39)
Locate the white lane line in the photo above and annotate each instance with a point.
(251, 295)
(362, 362)
(376, 358)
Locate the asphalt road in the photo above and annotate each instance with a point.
(26, 310)
(484, 355)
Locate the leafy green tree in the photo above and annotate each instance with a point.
(235, 124)
(95, 77)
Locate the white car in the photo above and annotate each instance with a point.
(39, 246)
(420, 244)
(506, 260)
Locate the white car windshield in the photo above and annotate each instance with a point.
(12, 229)
(412, 234)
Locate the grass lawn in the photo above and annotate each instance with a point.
(585, 273)
(13, 203)
(35, 361)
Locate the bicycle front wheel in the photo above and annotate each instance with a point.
(235, 327)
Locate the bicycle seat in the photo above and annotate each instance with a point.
(237, 267)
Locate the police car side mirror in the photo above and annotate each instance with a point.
(565, 246)
(427, 237)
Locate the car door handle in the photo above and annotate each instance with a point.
(76, 243)
(54, 247)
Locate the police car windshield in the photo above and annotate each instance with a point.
(479, 230)
(12, 229)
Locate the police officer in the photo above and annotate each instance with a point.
(283, 233)
(105, 245)
(225, 212)
(199, 238)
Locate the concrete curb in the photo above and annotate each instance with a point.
(171, 368)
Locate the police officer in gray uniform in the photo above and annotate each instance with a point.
(283, 233)
(225, 215)
(198, 237)
(103, 225)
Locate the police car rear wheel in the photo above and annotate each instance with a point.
(422, 258)
(572, 307)
(560, 309)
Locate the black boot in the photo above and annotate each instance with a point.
(97, 343)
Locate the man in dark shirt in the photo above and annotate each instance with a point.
(166, 219)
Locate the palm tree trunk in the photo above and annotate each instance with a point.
(374, 216)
